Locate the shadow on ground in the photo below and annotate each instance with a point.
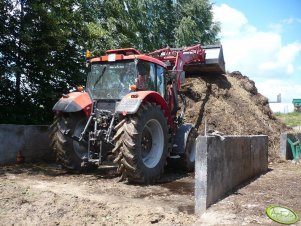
(104, 172)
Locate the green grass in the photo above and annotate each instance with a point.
(290, 119)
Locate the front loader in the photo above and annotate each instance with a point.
(129, 114)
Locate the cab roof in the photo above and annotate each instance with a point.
(126, 54)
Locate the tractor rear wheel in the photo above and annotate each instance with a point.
(69, 152)
(141, 145)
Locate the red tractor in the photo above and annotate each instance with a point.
(129, 115)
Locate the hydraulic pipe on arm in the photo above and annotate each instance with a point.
(177, 58)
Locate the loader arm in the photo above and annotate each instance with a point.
(177, 58)
(197, 59)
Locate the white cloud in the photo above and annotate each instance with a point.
(233, 22)
(279, 26)
(276, 27)
(289, 52)
(254, 52)
(282, 60)
(261, 55)
(291, 20)
(272, 87)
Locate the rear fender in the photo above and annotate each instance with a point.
(74, 102)
(132, 101)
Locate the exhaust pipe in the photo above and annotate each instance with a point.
(214, 62)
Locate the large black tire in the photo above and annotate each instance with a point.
(69, 153)
(142, 145)
(187, 160)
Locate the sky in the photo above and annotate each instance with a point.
(262, 40)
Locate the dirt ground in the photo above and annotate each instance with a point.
(43, 194)
(47, 195)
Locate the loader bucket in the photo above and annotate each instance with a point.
(214, 64)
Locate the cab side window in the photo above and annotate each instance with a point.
(160, 81)
(147, 76)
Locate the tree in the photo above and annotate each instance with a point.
(196, 24)
(10, 56)
(42, 49)
(143, 24)
(155, 22)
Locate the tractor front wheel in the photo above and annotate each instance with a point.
(141, 145)
(187, 160)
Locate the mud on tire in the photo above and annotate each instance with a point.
(141, 145)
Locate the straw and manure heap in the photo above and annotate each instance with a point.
(232, 105)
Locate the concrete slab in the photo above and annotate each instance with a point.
(223, 165)
(29, 140)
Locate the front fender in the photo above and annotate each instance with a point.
(74, 102)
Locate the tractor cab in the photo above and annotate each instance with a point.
(111, 80)
(113, 76)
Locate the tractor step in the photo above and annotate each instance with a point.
(174, 156)
(107, 167)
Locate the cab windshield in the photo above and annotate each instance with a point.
(111, 80)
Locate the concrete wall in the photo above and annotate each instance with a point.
(31, 141)
(285, 148)
(223, 165)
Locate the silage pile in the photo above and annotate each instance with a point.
(232, 105)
